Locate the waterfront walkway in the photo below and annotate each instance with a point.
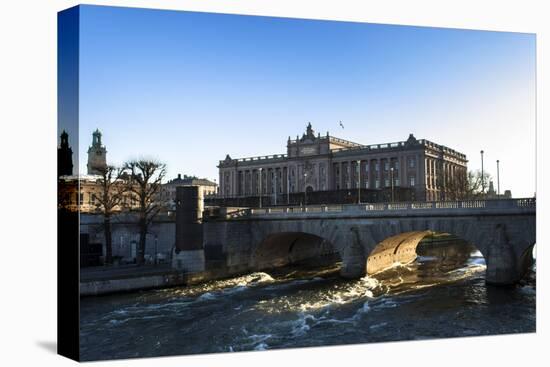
(97, 273)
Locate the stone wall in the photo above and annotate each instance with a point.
(125, 235)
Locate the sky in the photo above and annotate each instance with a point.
(188, 88)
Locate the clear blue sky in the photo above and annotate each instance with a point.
(188, 88)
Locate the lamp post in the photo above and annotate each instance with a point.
(260, 187)
(288, 186)
(391, 174)
(305, 188)
(276, 186)
(359, 183)
(482, 175)
(498, 178)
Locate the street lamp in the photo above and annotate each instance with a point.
(359, 185)
(305, 188)
(276, 187)
(391, 174)
(498, 178)
(288, 186)
(260, 187)
(482, 176)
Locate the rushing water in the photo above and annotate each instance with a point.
(441, 294)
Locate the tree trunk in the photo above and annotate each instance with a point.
(108, 240)
(142, 237)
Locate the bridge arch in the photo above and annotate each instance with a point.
(291, 248)
(400, 248)
(506, 250)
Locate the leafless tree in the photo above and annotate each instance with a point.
(456, 187)
(476, 184)
(462, 185)
(108, 200)
(144, 183)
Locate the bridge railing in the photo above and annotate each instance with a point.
(400, 206)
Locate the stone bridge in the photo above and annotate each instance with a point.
(370, 237)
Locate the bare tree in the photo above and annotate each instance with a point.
(476, 184)
(462, 185)
(109, 199)
(456, 187)
(144, 183)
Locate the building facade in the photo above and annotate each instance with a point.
(81, 193)
(207, 188)
(316, 163)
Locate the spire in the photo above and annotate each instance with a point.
(64, 140)
(97, 155)
(64, 156)
(96, 141)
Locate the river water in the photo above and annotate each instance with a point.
(442, 294)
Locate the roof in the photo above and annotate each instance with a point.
(190, 181)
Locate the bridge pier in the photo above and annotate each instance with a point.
(503, 267)
(354, 261)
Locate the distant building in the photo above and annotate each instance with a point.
(314, 163)
(492, 194)
(97, 155)
(80, 192)
(207, 187)
(85, 199)
(64, 156)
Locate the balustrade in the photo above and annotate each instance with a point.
(500, 204)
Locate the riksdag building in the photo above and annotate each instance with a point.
(324, 169)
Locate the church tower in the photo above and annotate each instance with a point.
(97, 155)
(64, 156)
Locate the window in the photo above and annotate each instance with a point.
(411, 181)
(377, 166)
(387, 182)
(377, 184)
(412, 162)
(386, 166)
(366, 184)
(396, 182)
